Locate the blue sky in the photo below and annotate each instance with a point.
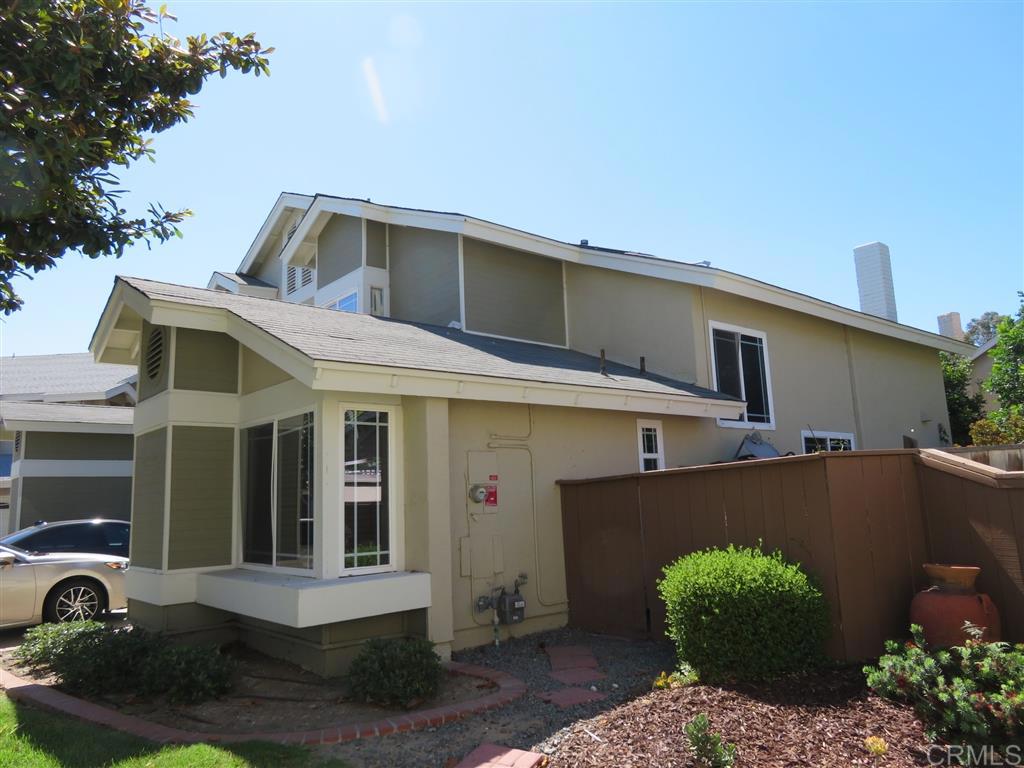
(768, 138)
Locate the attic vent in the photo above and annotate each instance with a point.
(297, 277)
(290, 282)
(291, 231)
(17, 443)
(155, 353)
(307, 276)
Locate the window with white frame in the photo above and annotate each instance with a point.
(649, 440)
(347, 303)
(277, 487)
(367, 491)
(376, 300)
(815, 441)
(740, 365)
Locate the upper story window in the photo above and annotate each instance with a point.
(376, 300)
(651, 445)
(348, 303)
(277, 484)
(740, 367)
(815, 441)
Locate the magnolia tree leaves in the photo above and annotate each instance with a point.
(84, 84)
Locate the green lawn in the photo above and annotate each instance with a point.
(31, 738)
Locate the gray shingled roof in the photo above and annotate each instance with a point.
(329, 335)
(16, 410)
(31, 376)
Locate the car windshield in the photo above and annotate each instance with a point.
(12, 550)
(11, 541)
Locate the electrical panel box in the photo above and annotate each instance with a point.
(511, 608)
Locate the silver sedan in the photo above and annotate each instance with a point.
(67, 586)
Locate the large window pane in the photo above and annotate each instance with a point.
(295, 492)
(727, 363)
(257, 465)
(367, 506)
(755, 379)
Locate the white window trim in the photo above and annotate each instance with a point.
(660, 455)
(396, 506)
(821, 434)
(317, 484)
(333, 304)
(769, 426)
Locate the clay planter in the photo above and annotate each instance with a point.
(942, 609)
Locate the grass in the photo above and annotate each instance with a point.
(31, 738)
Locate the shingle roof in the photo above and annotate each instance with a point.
(16, 410)
(33, 376)
(332, 336)
(237, 277)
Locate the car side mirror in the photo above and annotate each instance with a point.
(6, 561)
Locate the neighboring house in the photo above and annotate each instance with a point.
(981, 362)
(306, 478)
(65, 439)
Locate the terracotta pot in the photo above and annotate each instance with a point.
(942, 609)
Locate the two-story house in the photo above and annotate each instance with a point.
(358, 432)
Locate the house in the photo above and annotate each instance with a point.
(981, 363)
(65, 439)
(358, 432)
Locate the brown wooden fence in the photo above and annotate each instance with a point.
(862, 522)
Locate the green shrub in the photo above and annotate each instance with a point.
(971, 694)
(707, 747)
(93, 658)
(741, 614)
(396, 672)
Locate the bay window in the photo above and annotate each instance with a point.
(277, 489)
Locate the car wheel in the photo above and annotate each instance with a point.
(74, 600)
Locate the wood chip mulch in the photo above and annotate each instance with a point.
(818, 721)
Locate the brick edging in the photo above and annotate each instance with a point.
(509, 689)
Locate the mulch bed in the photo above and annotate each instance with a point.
(816, 721)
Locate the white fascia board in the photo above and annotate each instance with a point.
(126, 388)
(217, 280)
(19, 425)
(344, 377)
(284, 201)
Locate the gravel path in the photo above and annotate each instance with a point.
(630, 667)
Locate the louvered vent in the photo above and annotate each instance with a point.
(155, 353)
(17, 443)
(307, 277)
(290, 282)
(291, 231)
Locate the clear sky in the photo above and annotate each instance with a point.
(768, 138)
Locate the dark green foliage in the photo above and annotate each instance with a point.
(84, 84)
(1007, 379)
(741, 614)
(95, 659)
(971, 694)
(707, 747)
(964, 408)
(396, 672)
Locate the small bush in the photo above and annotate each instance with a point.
(971, 694)
(707, 747)
(741, 614)
(93, 658)
(396, 672)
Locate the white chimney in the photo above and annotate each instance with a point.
(949, 325)
(874, 280)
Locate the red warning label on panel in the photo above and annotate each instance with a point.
(493, 478)
(491, 499)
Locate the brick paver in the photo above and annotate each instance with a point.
(497, 756)
(571, 657)
(577, 676)
(509, 689)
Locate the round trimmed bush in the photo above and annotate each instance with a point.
(741, 614)
(396, 672)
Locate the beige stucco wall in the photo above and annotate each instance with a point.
(513, 293)
(424, 275)
(339, 249)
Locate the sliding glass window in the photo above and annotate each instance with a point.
(277, 482)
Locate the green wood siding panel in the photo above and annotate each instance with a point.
(206, 361)
(339, 249)
(513, 293)
(258, 373)
(202, 481)
(376, 244)
(153, 385)
(72, 498)
(77, 446)
(148, 499)
(424, 275)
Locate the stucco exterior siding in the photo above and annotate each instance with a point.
(71, 498)
(630, 316)
(148, 500)
(339, 249)
(201, 499)
(205, 361)
(153, 385)
(424, 275)
(513, 293)
(78, 446)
